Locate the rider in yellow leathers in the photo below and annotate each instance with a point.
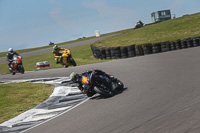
(57, 54)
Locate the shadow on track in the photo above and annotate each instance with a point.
(116, 92)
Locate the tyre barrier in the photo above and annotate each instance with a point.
(190, 43)
(165, 46)
(144, 49)
(117, 52)
(178, 44)
(156, 48)
(108, 54)
(103, 53)
(147, 49)
(124, 52)
(44, 64)
(184, 44)
(196, 42)
(139, 50)
(131, 50)
(173, 45)
(112, 53)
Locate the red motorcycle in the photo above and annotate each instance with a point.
(16, 65)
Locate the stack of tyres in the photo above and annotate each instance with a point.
(178, 44)
(147, 48)
(189, 43)
(117, 52)
(102, 53)
(165, 46)
(108, 54)
(112, 52)
(131, 51)
(196, 42)
(92, 48)
(173, 45)
(98, 53)
(95, 52)
(139, 50)
(183, 44)
(156, 48)
(124, 52)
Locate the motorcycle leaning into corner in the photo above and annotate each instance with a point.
(97, 81)
(66, 58)
(16, 65)
(139, 24)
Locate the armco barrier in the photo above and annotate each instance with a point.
(143, 49)
(44, 64)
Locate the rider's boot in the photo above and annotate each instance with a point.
(65, 66)
(57, 62)
(61, 59)
(10, 69)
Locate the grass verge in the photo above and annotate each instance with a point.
(17, 98)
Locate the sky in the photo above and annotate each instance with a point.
(34, 23)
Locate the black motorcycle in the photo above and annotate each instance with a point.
(103, 84)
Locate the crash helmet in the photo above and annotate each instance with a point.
(55, 47)
(10, 50)
(74, 77)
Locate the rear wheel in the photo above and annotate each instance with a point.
(65, 66)
(104, 90)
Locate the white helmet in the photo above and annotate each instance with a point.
(10, 50)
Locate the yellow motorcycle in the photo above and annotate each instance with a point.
(66, 58)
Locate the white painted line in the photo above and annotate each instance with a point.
(56, 115)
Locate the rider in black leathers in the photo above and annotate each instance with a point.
(76, 78)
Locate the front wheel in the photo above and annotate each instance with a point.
(13, 73)
(120, 85)
(72, 61)
(22, 70)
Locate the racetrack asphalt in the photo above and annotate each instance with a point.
(38, 52)
(161, 95)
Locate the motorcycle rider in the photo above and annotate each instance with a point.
(141, 23)
(10, 55)
(56, 52)
(77, 78)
